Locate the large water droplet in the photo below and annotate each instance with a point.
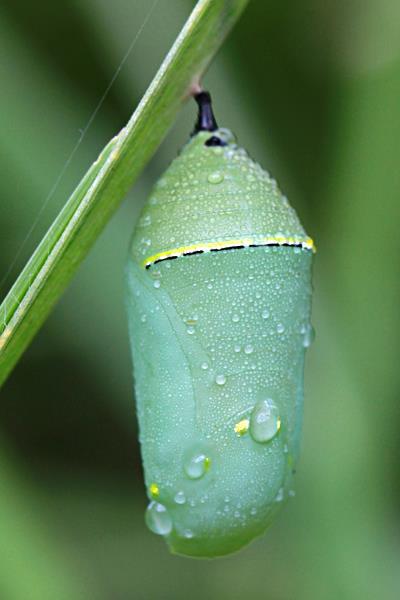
(265, 421)
(215, 177)
(197, 465)
(158, 519)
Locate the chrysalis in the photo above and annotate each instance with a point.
(219, 297)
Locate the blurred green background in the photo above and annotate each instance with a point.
(312, 90)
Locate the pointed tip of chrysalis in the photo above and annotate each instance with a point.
(205, 118)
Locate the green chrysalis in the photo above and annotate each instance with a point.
(219, 298)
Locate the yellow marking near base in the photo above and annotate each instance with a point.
(306, 243)
(242, 427)
(154, 490)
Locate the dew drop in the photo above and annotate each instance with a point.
(197, 465)
(280, 328)
(157, 283)
(248, 349)
(220, 379)
(188, 534)
(280, 495)
(308, 336)
(215, 177)
(204, 366)
(145, 221)
(180, 497)
(158, 519)
(265, 421)
(235, 318)
(190, 330)
(265, 313)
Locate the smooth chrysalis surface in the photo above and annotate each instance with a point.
(219, 297)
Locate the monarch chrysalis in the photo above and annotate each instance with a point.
(218, 338)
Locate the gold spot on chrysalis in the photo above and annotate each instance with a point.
(242, 427)
(154, 490)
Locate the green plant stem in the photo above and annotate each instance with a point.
(92, 204)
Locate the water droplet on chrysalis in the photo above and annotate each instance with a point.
(158, 519)
(180, 497)
(215, 177)
(265, 421)
(197, 465)
(188, 534)
(308, 335)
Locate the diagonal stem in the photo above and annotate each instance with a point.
(104, 186)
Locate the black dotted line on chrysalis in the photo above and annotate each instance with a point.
(191, 252)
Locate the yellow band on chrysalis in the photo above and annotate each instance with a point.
(306, 243)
